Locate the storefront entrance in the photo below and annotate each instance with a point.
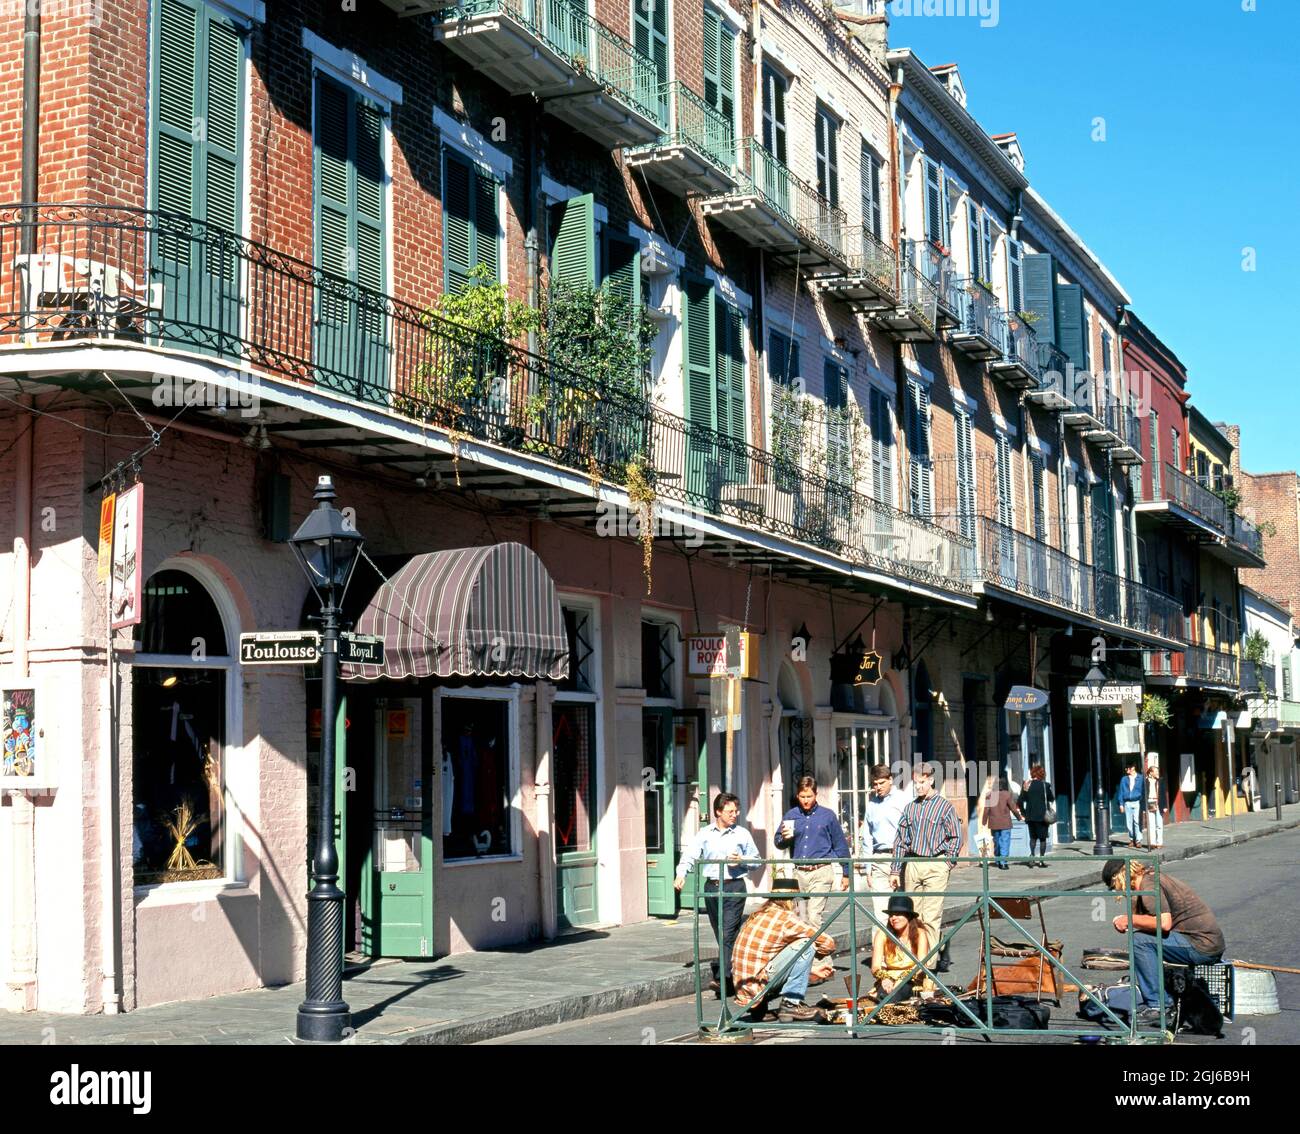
(675, 759)
(860, 743)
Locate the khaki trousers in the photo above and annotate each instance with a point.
(878, 884)
(823, 878)
(931, 880)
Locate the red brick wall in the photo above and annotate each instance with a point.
(1274, 498)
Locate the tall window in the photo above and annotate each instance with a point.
(920, 465)
(882, 448)
(1015, 276)
(839, 463)
(869, 172)
(981, 243)
(1157, 473)
(936, 204)
(1040, 497)
(650, 38)
(659, 659)
(719, 64)
(471, 230)
(574, 749)
(477, 777)
(774, 88)
(965, 474)
(178, 724)
(1006, 485)
(783, 363)
(828, 161)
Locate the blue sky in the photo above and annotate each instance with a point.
(1201, 159)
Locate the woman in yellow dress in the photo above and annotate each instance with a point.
(897, 975)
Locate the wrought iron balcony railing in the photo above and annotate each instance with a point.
(698, 125)
(872, 258)
(1186, 493)
(585, 43)
(797, 201)
(1018, 343)
(167, 281)
(1073, 388)
(1258, 678)
(1015, 561)
(1241, 531)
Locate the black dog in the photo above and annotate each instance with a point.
(1194, 1008)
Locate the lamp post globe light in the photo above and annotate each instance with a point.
(328, 546)
(1100, 817)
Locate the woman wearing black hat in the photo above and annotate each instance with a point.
(891, 965)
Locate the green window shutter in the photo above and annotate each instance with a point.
(882, 449)
(778, 358)
(774, 113)
(623, 275)
(1153, 429)
(701, 402)
(368, 165)
(1015, 277)
(650, 33)
(487, 223)
(1040, 497)
(729, 326)
(176, 112)
(457, 223)
(726, 105)
(221, 136)
(1040, 278)
(869, 172)
(918, 439)
(1006, 488)
(965, 475)
(573, 243)
(827, 142)
(934, 207)
(986, 247)
(973, 235)
(1070, 324)
(333, 214)
(835, 379)
(712, 72)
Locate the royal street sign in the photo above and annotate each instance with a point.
(1112, 693)
(706, 656)
(361, 649)
(281, 647)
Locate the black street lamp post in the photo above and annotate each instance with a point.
(1100, 815)
(327, 545)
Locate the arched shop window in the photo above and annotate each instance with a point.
(180, 697)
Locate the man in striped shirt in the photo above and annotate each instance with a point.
(928, 829)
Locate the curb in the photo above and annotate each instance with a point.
(638, 995)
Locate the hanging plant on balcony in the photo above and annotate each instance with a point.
(1255, 647)
(641, 493)
(1154, 711)
(1029, 318)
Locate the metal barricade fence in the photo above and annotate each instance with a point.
(853, 906)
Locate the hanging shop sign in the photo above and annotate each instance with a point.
(1113, 693)
(105, 563)
(869, 669)
(361, 649)
(1026, 699)
(283, 647)
(1128, 738)
(128, 555)
(706, 656)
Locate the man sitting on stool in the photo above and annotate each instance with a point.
(1191, 935)
(771, 941)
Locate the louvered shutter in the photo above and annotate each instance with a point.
(918, 435)
(1006, 487)
(882, 449)
(1015, 278)
(1070, 324)
(333, 199)
(973, 235)
(1157, 472)
(701, 397)
(934, 210)
(623, 276)
(870, 175)
(774, 113)
(457, 223)
(836, 383)
(1040, 497)
(650, 39)
(176, 113)
(712, 74)
(965, 475)
(221, 141)
(573, 243)
(729, 331)
(368, 163)
(1039, 299)
(726, 104)
(1106, 342)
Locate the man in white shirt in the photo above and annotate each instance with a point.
(884, 809)
(722, 839)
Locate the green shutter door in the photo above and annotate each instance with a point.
(471, 230)
(198, 74)
(573, 243)
(650, 38)
(1039, 279)
(351, 347)
(965, 475)
(918, 435)
(1070, 326)
(882, 449)
(625, 431)
(729, 334)
(702, 466)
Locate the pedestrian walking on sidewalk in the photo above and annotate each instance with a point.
(885, 808)
(1129, 796)
(927, 830)
(998, 811)
(724, 884)
(811, 831)
(1038, 804)
(1157, 801)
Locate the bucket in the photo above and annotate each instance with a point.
(1254, 992)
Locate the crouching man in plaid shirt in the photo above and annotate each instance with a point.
(774, 941)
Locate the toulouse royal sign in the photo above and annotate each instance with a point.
(290, 647)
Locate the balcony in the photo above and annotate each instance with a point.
(1187, 505)
(698, 156)
(976, 334)
(1258, 679)
(1121, 437)
(1245, 546)
(1192, 665)
(1016, 363)
(584, 74)
(914, 318)
(771, 208)
(871, 282)
(937, 267)
(1022, 569)
(334, 365)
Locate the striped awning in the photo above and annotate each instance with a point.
(474, 611)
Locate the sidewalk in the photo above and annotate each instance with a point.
(478, 996)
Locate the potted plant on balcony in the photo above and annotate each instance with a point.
(1254, 649)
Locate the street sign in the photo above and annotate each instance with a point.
(1112, 693)
(281, 647)
(361, 649)
(1025, 699)
(706, 656)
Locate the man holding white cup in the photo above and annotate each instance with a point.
(811, 831)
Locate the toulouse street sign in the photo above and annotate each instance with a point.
(282, 647)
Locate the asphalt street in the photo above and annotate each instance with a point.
(1251, 889)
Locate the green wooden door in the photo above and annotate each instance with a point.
(573, 749)
(660, 825)
(691, 761)
(703, 466)
(350, 317)
(397, 912)
(197, 113)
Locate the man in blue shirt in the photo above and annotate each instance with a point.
(722, 839)
(1129, 797)
(813, 831)
(884, 809)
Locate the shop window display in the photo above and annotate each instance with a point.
(476, 778)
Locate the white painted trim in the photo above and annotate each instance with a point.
(472, 144)
(680, 677)
(735, 19)
(645, 237)
(832, 103)
(554, 192)
(350, 68)
(780, 322)
(244, 11)
(922, 374)
(1003, 425)
(963, 399)
(782, 62)
(729, 291)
